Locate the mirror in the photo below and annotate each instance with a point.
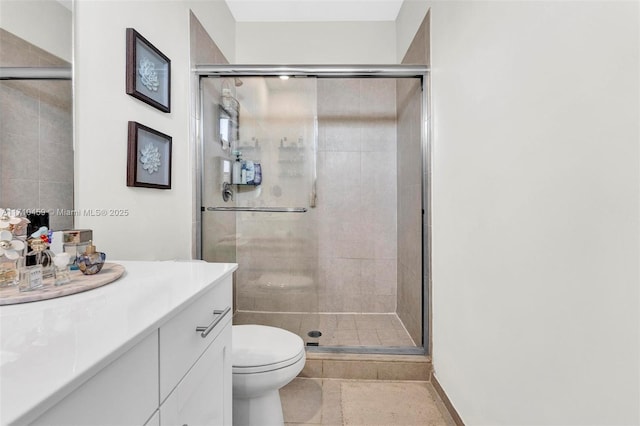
(36, 129)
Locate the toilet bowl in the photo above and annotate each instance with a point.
(264, 359)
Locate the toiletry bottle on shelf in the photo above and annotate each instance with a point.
(243, 173)
(251, 171)
(257, 180)
(236, 173)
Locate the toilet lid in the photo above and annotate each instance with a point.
(263, 348)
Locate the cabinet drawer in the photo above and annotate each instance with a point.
(181, 345)
(123, 393)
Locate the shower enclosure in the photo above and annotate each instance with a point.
(329, 217)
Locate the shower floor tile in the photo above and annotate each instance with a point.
(337, 329)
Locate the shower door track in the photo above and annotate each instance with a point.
(364, 71)
(336, 71)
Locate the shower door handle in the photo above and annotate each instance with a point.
(204, 331)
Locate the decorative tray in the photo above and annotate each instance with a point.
(79, 283)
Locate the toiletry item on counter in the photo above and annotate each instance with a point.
(39, 253)
(61, 274)
(30, 278)
(236, 173)
(75, 250)
(91, 261)
(75, 243)
(77, 236)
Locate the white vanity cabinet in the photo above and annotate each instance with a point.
(123, 393)
(149, 351)
(195, 366)
(203, 396)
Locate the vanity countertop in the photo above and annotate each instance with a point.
(48, 348)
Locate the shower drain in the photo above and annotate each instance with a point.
(314, 334)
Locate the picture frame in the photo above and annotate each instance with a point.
(148, 157)
(148, 72)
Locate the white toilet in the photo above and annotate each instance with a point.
(264, 360)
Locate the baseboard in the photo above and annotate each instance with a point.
(446, 401)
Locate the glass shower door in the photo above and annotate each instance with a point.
(347, 264)
(273, 226)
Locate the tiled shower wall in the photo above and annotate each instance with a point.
(357, 193)
(36, 135)
(410, 123)
(352, 230)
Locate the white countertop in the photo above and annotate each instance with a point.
(48, 348)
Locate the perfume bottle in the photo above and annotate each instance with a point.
(30, 278)
(41, 255)
(62, 274)
(91, 261)
(8, 272)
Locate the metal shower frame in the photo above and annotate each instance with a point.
(358, 71)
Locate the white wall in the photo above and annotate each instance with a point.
(315, 42)
(159, 222)
(44, 23)
(535, 210)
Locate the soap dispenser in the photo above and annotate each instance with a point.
(91, 261)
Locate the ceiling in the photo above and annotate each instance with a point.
(313, 10)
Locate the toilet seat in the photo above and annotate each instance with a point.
(260, 348)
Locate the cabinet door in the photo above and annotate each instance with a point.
(123, 393)
(203, 397)
(180, 344)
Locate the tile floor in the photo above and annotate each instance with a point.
(362, 402)
(337, 329)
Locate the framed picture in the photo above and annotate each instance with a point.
(148, 72)
(148, 157)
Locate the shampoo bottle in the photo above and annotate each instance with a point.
(236, 173)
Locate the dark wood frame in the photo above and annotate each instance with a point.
(132, 37)
(132, 156)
